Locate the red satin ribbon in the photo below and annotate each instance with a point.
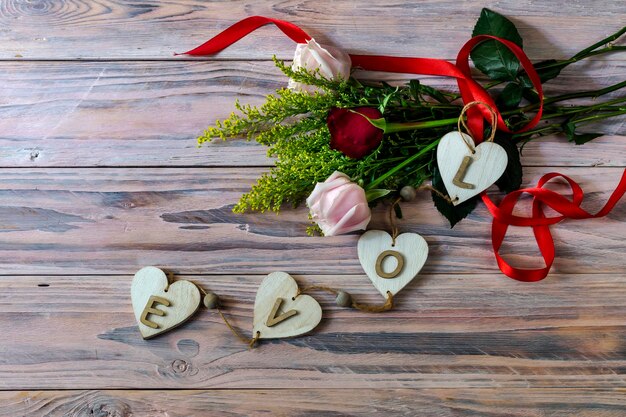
(470, 91)
(503, 218)
(244, 27)
(469, 88)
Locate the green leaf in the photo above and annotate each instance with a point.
(578, 138)
(453, 213)
(492, 58)
(546, 70)
(511, 179)
(386, 99)
(380, 123)
(397, 210)
(414, 89)
(375, 194)
(510, 97)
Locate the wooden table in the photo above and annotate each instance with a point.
(101, 175)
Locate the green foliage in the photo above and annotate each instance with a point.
(569, 127)
(376, 193)
(453, 213)
(492, 58)
(510, 97)
(546, 70)
(511, 179)
(293, 126)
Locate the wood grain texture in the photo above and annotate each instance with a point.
(101, 176)
(77, 114)
(517, 402)
(114, 29)
(84, 221)
(447, 331)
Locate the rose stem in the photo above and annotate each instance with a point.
(401, 165)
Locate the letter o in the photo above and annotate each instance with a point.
(381, 258)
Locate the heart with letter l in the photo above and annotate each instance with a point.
(391, 267)
(279, 311)
(159, 306)
(481, 169)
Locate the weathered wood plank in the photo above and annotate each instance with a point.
(56, 114)
(84, 221)
(447, 331)
(112, 29)
(290, 402)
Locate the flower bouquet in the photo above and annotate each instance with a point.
(343, 144)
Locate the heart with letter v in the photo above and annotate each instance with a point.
(466, 173)
(159, 306)
(279, 311)
(391, 267)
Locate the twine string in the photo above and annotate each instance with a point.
(434, 190)
(375, 308)
(388, 305)
(316, 288)
(462, 122)
(250, 342)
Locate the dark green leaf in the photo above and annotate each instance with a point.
(434, 93)
(417, 89)
(531, 96)
(492, 58)
(453, 213)
(397, 210)
(510, 97)
(414, 89)
(511, 179)
(578, 138)
(546, 70)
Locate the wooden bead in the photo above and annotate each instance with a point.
(407, 193)
(343, 299)
(211, 300)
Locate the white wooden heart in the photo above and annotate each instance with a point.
(281, 286)
(410, 247)
(159, 306)
(485, 168)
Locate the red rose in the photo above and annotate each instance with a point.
(352, 133)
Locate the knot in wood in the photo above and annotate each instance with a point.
(180, 366)
(106, 407)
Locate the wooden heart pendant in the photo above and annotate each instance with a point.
(389, 267)
(159, 306)
(466, 174)
(280, 312)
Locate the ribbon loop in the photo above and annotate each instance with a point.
(243, 28)
(503, 218)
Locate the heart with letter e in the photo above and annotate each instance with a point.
(159, 306)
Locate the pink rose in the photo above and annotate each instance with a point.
(338, 205)
(332, 63)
